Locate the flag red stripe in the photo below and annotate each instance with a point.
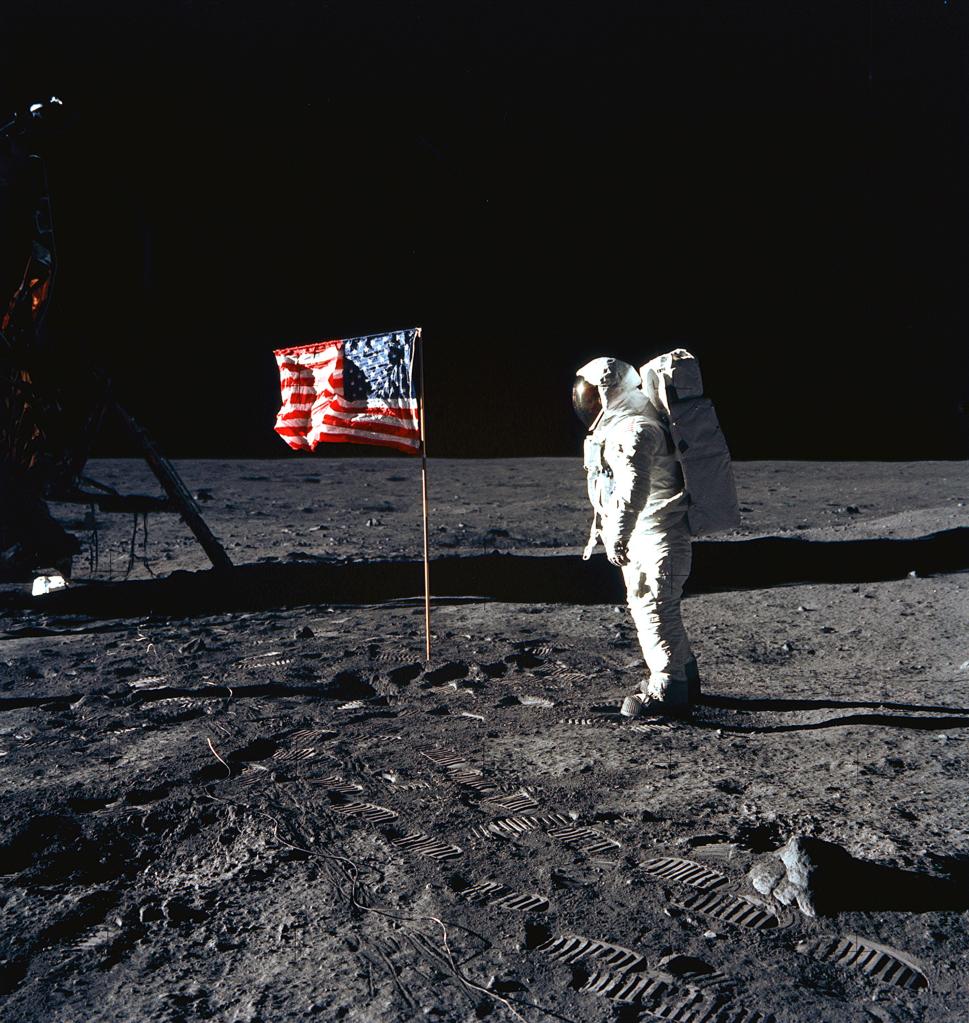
(299, 443)
(318, 346)
(304, 396)
(344, 409)
(410, 449)
(350, 429)
(380, 403)
(310, 359)
(338, 407)
(368, 427)
(309, 364)
(297, 421)
(307, 382)
(307, 395)
(296, 416)
(292, 371)
(341, 408)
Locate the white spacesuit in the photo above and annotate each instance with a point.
(639, 503)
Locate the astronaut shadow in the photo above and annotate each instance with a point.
(918, 724)
(775, 704)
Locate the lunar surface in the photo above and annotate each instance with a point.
(257, 806)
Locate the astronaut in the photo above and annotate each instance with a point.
(639, 503)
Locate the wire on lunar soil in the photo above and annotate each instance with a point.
(93, 553)
(352, 872)
(220, 760)
(398, 983)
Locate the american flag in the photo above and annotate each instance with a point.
(359, 389)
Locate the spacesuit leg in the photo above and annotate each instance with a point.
(659, 567)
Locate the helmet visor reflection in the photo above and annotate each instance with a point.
(586, 401)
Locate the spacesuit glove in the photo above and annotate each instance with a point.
(617, 553)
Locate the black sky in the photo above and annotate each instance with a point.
(777, 186)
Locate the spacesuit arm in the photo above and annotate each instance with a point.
(630, 456)
(593, 469)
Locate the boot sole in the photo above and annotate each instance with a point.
(634, 707)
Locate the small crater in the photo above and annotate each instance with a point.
(404, 675)
(452, 671)
(142, 797)
(524, 659)
(44, 841)
(81, 804)
(760, 838)
(493, 669)
(536, 935)
(259, 749)
(350, 685)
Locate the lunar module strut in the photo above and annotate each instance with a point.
(52, 400)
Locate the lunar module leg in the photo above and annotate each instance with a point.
(176, 491)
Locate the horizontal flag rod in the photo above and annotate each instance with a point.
(336, 340)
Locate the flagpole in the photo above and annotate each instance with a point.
(427, 563)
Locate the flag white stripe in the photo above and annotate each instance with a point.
(368, 417)
(375, 414)
(322, 428)
(383, 427)
(405, 404)
(310, 358)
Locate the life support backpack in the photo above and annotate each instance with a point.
(673, 384)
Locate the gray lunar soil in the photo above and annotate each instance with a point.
(286, 815)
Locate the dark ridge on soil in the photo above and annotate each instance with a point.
(922, 724)
(718, 566)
